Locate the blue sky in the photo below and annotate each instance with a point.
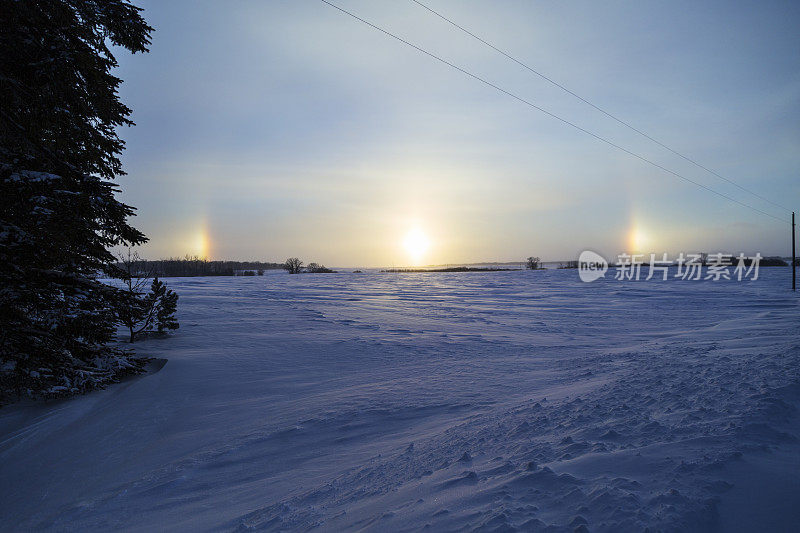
(275, 129)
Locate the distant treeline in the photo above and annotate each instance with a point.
(195, 266)
(733, 261)
(765, 262)
(449, 269)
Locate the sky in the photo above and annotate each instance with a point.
(272, 129)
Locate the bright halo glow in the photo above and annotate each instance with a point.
(416, 244)
(201, 244)
(637, 240)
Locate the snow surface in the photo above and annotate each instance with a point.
(391, 402)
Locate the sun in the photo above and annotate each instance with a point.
(416, 244)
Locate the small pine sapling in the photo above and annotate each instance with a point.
(165, 302)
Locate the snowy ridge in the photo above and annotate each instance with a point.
(683, 434)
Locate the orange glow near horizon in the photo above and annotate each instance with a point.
(201, 244)
(638, 239)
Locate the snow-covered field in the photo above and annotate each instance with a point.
(393, 402)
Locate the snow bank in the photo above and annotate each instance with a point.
(502, 401)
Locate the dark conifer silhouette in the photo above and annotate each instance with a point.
(141, 312)
(59, 216)
(166, 305)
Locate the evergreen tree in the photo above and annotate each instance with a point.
(166, 305)
(134, 311)
(59, 216)
(139, 312)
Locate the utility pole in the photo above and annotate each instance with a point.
(794, 259)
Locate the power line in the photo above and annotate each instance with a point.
(546, 112)
(601, 110)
